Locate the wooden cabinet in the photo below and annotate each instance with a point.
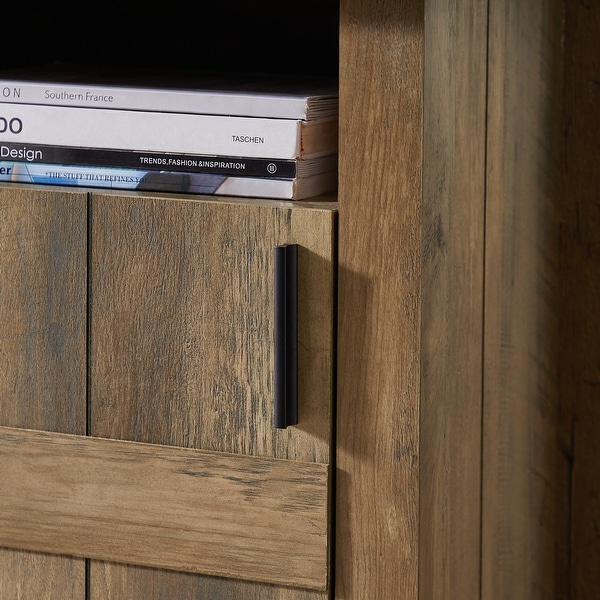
(468, 338)
(461, 448)
(137, 406)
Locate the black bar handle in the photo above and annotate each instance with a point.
(286, 336)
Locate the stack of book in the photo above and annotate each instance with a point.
(256, 136)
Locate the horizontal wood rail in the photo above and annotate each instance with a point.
(167, 507)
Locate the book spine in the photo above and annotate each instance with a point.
(145, 180)
(156, 161)
(275, 106)
(287, 139)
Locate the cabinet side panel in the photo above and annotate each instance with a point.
(453, 254)
(520, 405)
(43, 245)
(380, 191)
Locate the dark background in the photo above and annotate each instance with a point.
(231, 36)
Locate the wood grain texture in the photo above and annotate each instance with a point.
(110, 581)
(182, 324)
(454, 125)
(579, 576)
(43, 239)
(520, 458)
(43, 245)
(36, 576)
(233, 516)
(381, 45)
(182, 334)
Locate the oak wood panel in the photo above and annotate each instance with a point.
(36, 576)
(579, 576)
(118, 581)
(43, 240)
(182, 335)
(454, 128)
(182, 509)
(181, 332)
(519, 503)
(380, 191)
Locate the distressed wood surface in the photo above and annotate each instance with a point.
(380, 191)
(454, 127)
(520, 412)
(43, 239)
(182, 509)
(143, 583)
(181, 325)
(181, 338)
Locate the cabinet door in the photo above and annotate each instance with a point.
(43, 245)
(136, 416)
(181, 355)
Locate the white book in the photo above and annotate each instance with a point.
(145, 131)
(249, 95)
(298, 188)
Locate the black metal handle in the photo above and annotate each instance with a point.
(286, 336)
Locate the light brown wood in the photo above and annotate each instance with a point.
(43, 245)
(181, 337)
(141, 583)
(31, 575)
(43, 238)
(520, 412)
(410, 316)
(232, 516)
(228, 234)
(380, 192)
(181, 329)
(454, 128)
